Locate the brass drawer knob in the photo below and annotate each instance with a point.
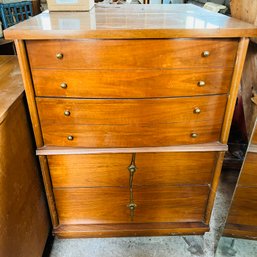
(67, 113)
(194, 135)
(70, 138)
(201, 83)
(64, 85)
(205, 53)
(197, 110)
(59, 56)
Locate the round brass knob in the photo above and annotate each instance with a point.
(201, 83)
(59, 56)
(197, 110)
(206, 53)
(70, 138)
(64, 85)
(194, 135)
(67, 113)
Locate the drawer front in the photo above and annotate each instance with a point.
(133, 113)
(131, 54)
(110, 205)
(243, 210)
(131, 136)
(131, 84)
(112, 169)
(248, 175)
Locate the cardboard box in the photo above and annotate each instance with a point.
(70, 5)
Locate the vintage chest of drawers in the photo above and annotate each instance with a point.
(241, 220)
(131, 109)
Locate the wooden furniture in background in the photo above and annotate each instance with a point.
(131, 113)
(24, 218)
(241, 221)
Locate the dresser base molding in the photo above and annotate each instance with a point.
(210, 147)
(240, 231)
(124, 230)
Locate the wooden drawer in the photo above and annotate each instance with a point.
(134, 113)
(248, 175)
(131, 123)
(131, 54)
(131, 84)
(110, 205)
(129, 136)
(112, 169)
(244, 207)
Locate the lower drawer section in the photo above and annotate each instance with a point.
(110, 204)
(243, 210)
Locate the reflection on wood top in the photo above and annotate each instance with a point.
(11, 86)
(132, 21)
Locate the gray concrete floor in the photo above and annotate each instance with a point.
(170, 246)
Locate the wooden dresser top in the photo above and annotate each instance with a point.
(11, 86)
(132, 21)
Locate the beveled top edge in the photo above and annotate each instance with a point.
(132, 21)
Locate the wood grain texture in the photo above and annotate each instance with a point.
(131, 113)
(133, 22)
(28, 85)
(131, 136)
(24, 216)
(11, 86)
(235, 230)
(241, 54)
(131, 84)
(243, 210)
(145, 229)
(248, 175)
(112, 169)
(131, 54)
(109, 205)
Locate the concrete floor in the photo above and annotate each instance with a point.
(171, 246)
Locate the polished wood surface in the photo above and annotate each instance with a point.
(106, 114)
(132, 54)
(249, 175)
(135, 113)
(28, 85)
(112, 169)
(11, 86)
(243, 210)
(24, 221)
(109, 205)
(131, 21)
(210, 147)
(235, 83)
(131, 229)
(241, 220)
(131, 136)
(131, 84)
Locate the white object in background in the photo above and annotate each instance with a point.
(214, 7)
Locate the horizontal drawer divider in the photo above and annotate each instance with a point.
(135, 186)
(52, 150)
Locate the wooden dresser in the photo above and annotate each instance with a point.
(241, 221)
(131, 109)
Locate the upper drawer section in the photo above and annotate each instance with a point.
(131, 54)
(131, 84)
